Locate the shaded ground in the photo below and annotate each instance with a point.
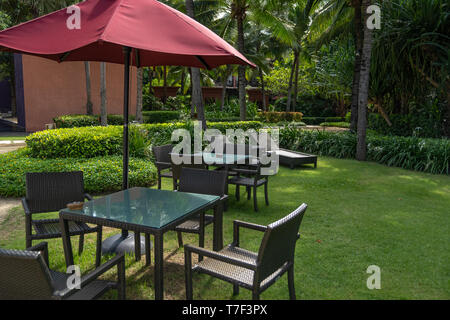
(6, 205)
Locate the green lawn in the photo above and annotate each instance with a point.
(359, 214)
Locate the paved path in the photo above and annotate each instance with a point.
(7, 146)
(6, 205)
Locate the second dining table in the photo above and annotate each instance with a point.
(147, 211)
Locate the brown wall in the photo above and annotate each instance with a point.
(53, 89)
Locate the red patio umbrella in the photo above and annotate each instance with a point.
(149, 32)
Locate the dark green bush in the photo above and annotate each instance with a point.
(103, 174)
(312, 106)
(160, 116)
(420, 125)
(428, 155)
(83, 120)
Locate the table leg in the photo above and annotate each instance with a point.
(68, 253)
(218, 227)
(137, 246)
(159, 257)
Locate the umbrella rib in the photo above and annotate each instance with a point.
(64, 56)
(203, 62)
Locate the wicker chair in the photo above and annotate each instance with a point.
(250, 270)
(204, 182)
(52, 191)
(250, 177)
(163, 162)
(26, 275)
(176, 171)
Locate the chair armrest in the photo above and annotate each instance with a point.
(165, 165)
(88, 197)
(237, 224)
(25, 206)
(245, 171)
(189, 249)
(118, 260)
(43, 248)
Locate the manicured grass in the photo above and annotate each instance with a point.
(12, 138)
(359, 214)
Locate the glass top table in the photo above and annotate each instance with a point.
(218, 159)
(148, 211)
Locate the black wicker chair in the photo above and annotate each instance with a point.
(26, 275)
(250, 177)
(176, 171)
(52, 191)
(250, 270)
(163, 162)
(204, 182)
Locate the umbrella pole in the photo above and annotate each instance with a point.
(125, 243)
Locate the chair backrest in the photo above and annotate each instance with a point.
(24, 275)
(211, 182)
(176, 169)
(162, 153)
(52, 191)
(278, 244)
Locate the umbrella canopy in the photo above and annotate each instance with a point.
(97, 30)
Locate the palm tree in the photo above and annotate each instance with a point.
(103, 110)
(139, 98)
(197, 96)
(363, 92)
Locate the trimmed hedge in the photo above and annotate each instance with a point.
(316, 121)
(83, 120)
(102, 174)
(428, 155)
(89, 142)
(275, 117)
(336, 124)
(160, 116)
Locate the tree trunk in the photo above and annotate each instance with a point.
(358, 44)
(140, 77)
(241, 69)
(103, 110)
(294, 101)
(291, 80)
(197, 95)
(87, 70)
(165, 84)
(363, 96)
(183, 81)
(263, 90)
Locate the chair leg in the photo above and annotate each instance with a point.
(28, 243)
(238, 196)
(137, 246)
(81, 244)
(291, 283)
(148, 257)
(249, 193)
(188, 275)
(255, 201)
(98, 253)
(180, 239)
(255, 295)
(159, 181)
(266, 193)
(235, 289)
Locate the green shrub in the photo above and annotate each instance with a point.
(420, 125)
(160, 116)
(83, 120)
(428, 155)
(336, 124)
(102, 174)
(83, 142)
